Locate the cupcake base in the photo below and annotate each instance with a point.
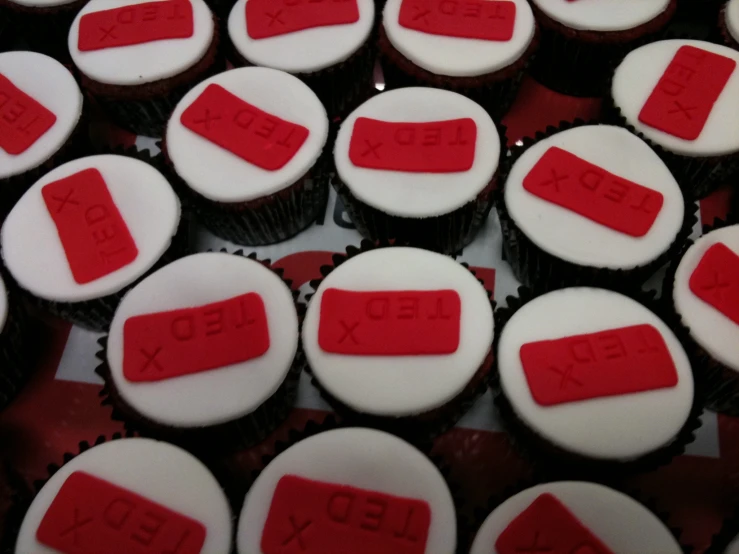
(16, 361)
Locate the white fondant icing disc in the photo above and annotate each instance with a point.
(33, 251)
(578, 239)
(402, 385)
(732, 18)
(218, 395)
(48, 82)
(3, 305)
(605, 427)
(603, 15)
(733, 547)
(156, 470)
(361, 458)
(41, 3)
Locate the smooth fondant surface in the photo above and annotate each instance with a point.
(602, 428)
(732, 18)
(3, 305)
(602, 15)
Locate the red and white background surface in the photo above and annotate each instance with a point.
(60, 406)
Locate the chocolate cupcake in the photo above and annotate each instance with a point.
(702, 288)
(581, 42)
(580, 369)
(41, 120)
(478, 48)
(729, 24)
(349, 490)
(329, 47)
(576, 517)
(138, 58)
(250, 146)
(87, 231)
(204, 366)
(591, 204)
(401, 339)
(682, 97)
(129, 495)
(15, 359)
(418, 165)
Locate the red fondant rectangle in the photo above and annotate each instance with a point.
(429, 147)
(546, 526)
(389, 323)
(164, 345)
(564, 179)
(135, 24)
(23, 120)
(271, 18)
(315, 517)
(90, 515)
(476, 19)
(618, 361)
(684, 97)
(94, 235)
(715, 280)
(253, 135)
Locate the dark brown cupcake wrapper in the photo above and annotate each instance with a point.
(540, 270)
(243, 432)
(551, 461)
(222, 8)
(728, 532)
(16, 352)
(495, 92)
(422, 427)
(580, 63)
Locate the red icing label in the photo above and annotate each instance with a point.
(90, 515)
(313, 517)
(548, 527)
(271, 18)
(608, 363)
(590, 191)
(389, 323)
(22, 119)
(716, 280)
(478, 19)
(94, 236)
(253, 135)
(684, 97)
(136, 24)
(429, 147)
(180, 342)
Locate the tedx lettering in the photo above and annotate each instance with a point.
(23, 120)
(492, 20)
(270, 18)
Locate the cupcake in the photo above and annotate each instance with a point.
(221, 8)
(329, 47)
(478, 48)
(418, 165)
(138, 58)
(43, 24)
(125, 496)
(682, 96)
(87, 231)
(702, 288)
(348, 490)
(574, 517)
(15, 355)
(400, 338)
(248, 145)
(591, 204)
(580, 369)
(729, 24)
(201, 364)
(41, 121)
(581, 42)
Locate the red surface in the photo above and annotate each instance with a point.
(135, 24)
(90, 515)
(271, 18)
(429, 147)
(389, 323)
(93, 233)
(608, 363)
(477, 19)
(590, 191)
(715, 280)
(253, 135)
(548, 527)
(313, 517)
(164, 345)
(684, 97)
(22, 119)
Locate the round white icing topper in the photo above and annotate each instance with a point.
(4, 305)
(603, 15)
(732, 18)
(41, 3)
